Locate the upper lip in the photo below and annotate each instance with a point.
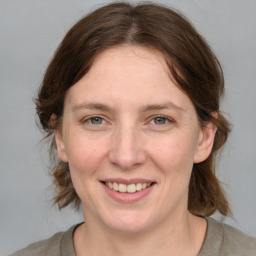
(128, 181)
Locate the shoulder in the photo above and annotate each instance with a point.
(60, 244)
(51, 245)
(236, 241)
(222, 239)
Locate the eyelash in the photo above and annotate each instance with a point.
(166, 120)
(152, 121)
(89, 120)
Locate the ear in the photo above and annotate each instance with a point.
(58, 139)
(205, 141)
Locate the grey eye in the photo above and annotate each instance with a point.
(96, 120)
(160, 120)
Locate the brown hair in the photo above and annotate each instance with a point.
(192, 65)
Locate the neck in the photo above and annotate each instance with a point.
(183, 235)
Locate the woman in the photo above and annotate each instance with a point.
(131, 100)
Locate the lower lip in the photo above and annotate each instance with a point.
(128, 197)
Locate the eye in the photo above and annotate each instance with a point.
(95, 123)
(160, 120)
(94, 120)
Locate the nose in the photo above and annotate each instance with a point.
(127, 148)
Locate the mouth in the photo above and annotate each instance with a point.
(127, 188)
(128, 191)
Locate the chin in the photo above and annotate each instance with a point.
(129, 222)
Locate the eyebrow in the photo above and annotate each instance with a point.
(97, 106)
(168, 105)
(147, 108)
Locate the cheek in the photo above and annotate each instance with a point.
(174, 159)
(84, 155)
(174, 156)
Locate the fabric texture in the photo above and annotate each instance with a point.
(224, 240)
(220, 240)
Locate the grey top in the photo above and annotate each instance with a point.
(220, 240)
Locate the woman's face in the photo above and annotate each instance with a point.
(131, 136)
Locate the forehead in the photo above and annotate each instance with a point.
(135, 54)
(128, 72)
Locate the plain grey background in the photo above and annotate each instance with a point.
(30, 31)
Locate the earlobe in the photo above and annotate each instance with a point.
(205, 142)
(58, 139)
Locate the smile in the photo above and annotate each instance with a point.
(128, 191)
(130, 188)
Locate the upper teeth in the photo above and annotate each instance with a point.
(123, 188)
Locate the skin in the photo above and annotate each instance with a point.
(127, 119)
